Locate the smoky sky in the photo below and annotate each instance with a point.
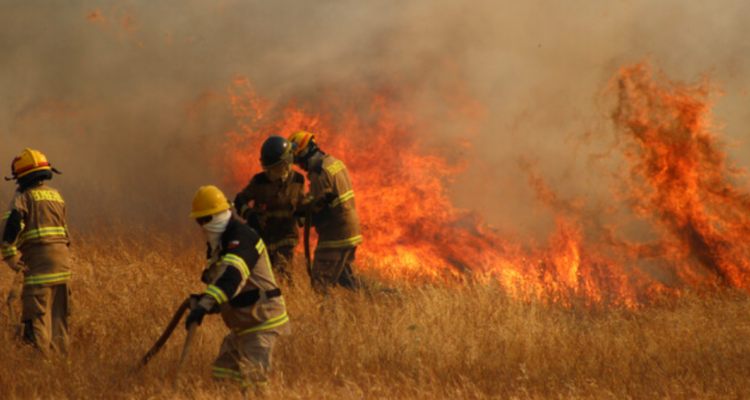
(127, 97)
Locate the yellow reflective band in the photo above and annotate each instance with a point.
(46, 278)
(335, 168)
(6, 215)
(271, 323)
(9, 251)
(217, 294)
(226, 373)
(44, 232)
(260, 246)
(222, 375)
(237, 260)
(335, 244)
(343, 198)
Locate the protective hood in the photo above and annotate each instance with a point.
(213, 229)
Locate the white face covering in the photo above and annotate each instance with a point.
(214, 228)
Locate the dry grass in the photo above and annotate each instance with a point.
(429, 342)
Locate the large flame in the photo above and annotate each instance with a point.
(681, 179)
(678, 179)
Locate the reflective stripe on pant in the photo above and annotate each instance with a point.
(334, 266)
(45, 317)
(245, 359)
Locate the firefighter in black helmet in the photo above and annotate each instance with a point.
(269, 202)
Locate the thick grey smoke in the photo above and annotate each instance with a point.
(126, 97)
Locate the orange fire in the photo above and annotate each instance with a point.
(679, 179)
(126, 21)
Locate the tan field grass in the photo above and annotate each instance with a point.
(427, 342)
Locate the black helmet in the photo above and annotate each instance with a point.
(275, 150)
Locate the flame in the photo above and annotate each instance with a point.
(679, 180)
(95, 15)
(126, 21)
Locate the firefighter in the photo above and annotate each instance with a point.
(241, 286)
(334, 214)
(35, 242)
(276, 193)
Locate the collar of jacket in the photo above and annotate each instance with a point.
(315, 162)
(229, 233)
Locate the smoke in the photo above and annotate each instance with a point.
(128, 98)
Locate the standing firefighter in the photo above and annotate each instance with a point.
(276, 193)
(241, 286)
(35, 241)
(335, 216)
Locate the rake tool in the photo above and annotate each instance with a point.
(188, 340)
(167, 333)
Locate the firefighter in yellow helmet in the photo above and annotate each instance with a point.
(241, 286)
(335, 215)
(35, 242)
(275, 194)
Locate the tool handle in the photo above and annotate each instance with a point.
(185, 349)
(306, 242)
(167, 332)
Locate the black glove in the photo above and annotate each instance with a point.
(330, 197)
(205, 278)
(254, 221)
(196, 315)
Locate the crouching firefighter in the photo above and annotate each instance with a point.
(276, 194)
(241, 286)
(35, 242)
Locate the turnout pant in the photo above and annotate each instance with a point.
(245, 359)
(334, 266)
(282, 260)
(45, 317)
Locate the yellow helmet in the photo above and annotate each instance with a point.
(209, 200)
(301, 139)
(29, 161)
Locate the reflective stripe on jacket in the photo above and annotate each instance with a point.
(337, 224)
(240, 278)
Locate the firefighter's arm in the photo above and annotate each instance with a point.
(11, 226)
(226, 285)
(243, 198)
(322, 192)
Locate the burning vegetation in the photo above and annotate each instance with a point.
(678, 179)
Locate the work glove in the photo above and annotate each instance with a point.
(196, 298)
(205, 278)
(196, 315)
(330, 197)
(254, 220)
